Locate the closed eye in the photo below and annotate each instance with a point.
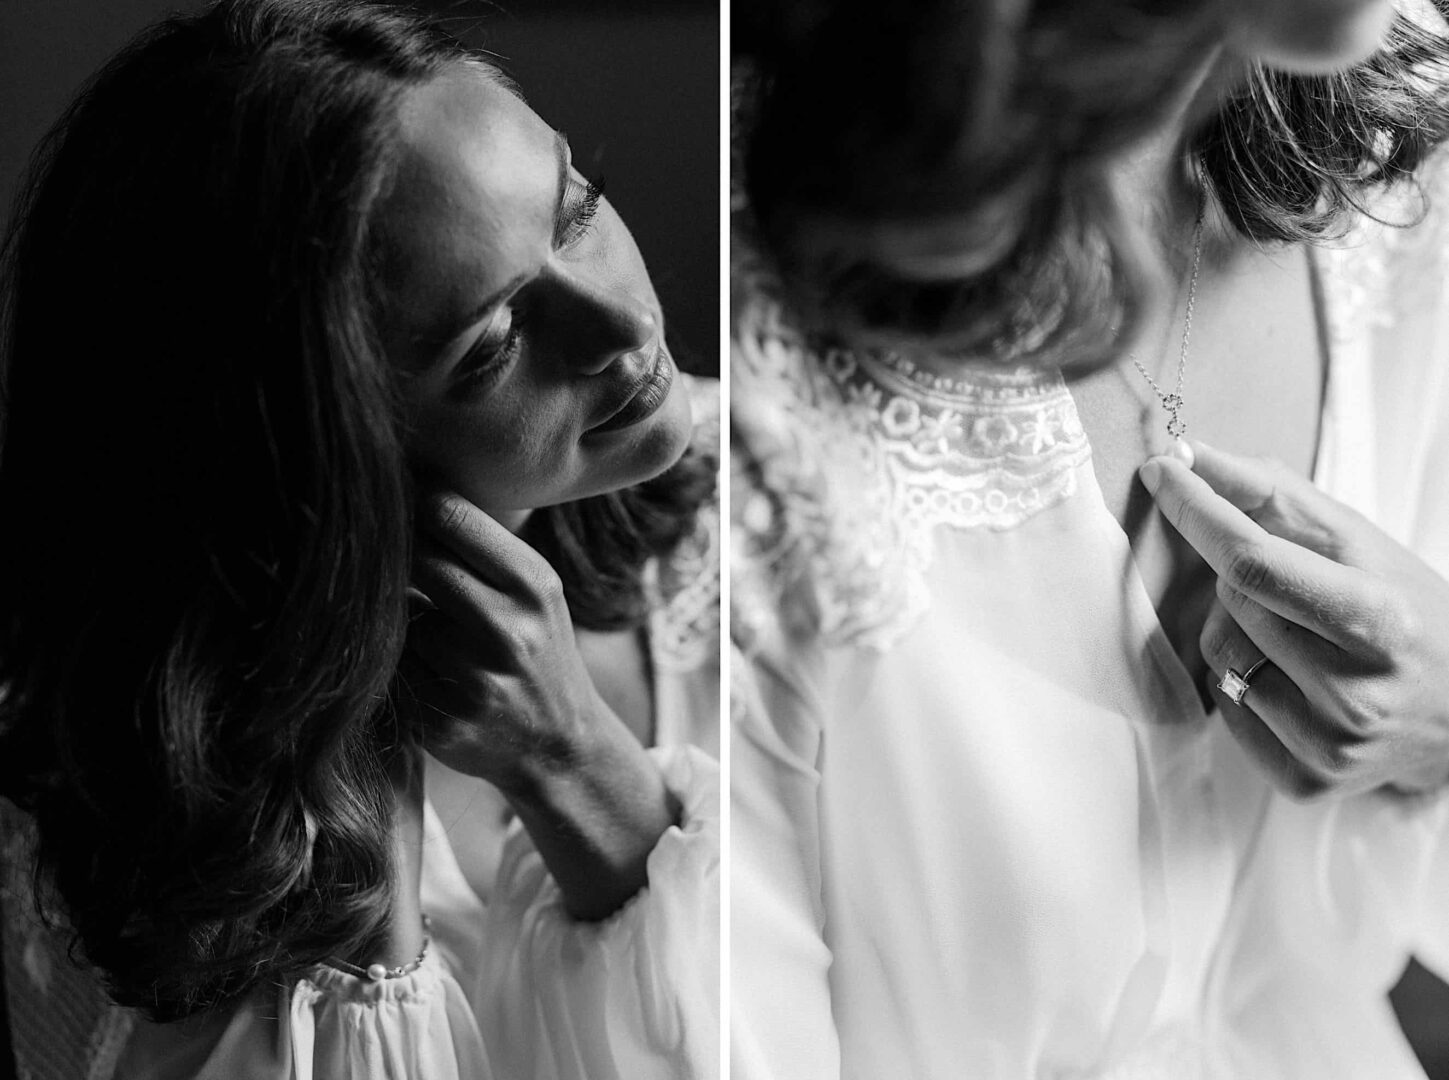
(576, 212)
(492, 354)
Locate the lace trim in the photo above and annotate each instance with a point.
(685, 629)
(1412, 228)
(855, 459)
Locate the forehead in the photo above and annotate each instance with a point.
(473, 198)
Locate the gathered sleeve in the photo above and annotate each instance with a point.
(327, 1025)
(633, 997)
(516, 990)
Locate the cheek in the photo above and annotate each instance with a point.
(617, 260)
(505, 453)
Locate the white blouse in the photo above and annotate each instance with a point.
(982, 825)
(512, 988)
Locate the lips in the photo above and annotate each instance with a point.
(641, 397)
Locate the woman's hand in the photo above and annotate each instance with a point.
(1354, 626)
(494, 676)
(494, 658)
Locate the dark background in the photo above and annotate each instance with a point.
(634, 83)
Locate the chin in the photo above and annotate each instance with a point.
(661, 440)
(1318, 37)
(637, 454)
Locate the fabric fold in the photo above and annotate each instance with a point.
(634, 996)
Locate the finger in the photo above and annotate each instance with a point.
(441, 713)
(1297, 651)
(483, 612)
(425, 693)
(1225, 644)
(1275, 696)
(1300, 585)
(454, 654)
(1278, 499)
(486, 547)
(1284, 771)
(418, 602)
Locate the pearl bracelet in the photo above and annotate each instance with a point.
(379, 972)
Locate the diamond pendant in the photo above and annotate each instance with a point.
(1176, 427)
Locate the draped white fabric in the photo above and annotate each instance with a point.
(982, 825)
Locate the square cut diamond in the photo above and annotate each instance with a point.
(1234, 686)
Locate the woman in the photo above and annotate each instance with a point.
(366, 443)
(992, 815)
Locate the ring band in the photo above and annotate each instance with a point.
(1235, 685)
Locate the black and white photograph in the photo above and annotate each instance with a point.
(1090, 411)
(360, 540)
(767, 540)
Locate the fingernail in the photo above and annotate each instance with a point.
(418, 603)
(1151, 475)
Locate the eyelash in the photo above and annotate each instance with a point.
(483, 363)
(583, 217)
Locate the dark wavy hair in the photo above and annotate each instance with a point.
(205, 505)
(973, 139)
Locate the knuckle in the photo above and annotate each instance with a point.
(1274, 467)
(1366, 712)
(1189, 517)
(1303, 785)
(1399, 624)
(524, 641)
(1383, 631)
(1246, 567)
(1275, 507)
(1335, 757)
(451, 513)
(544, 583)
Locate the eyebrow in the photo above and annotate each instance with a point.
(493, 299)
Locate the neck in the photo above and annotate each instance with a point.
(512, 520)
(1154, 173)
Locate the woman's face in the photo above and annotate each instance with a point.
(520, 310)
(1308, 36)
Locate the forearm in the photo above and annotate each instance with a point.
(596, 821)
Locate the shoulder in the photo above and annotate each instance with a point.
(1390, 266)
(846, 462)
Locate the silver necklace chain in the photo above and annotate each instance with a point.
(1173, 402)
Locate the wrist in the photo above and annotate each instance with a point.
(596, 824)
(597, 745)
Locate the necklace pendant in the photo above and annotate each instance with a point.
(1176, 427)
(1172, 403)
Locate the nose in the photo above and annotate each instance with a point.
(599, 322)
